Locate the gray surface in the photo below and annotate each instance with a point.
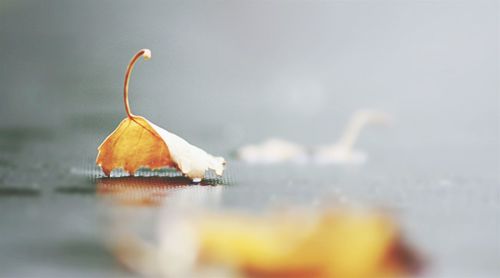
(224, 74)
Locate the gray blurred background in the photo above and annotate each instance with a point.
(228, 73)
(248, 69)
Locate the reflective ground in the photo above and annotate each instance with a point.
(55, 216)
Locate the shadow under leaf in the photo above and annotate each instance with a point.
(145, 191)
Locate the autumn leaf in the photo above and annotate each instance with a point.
(323, 244)
(336, 244)
(138, 143)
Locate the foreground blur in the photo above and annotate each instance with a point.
(192, 241)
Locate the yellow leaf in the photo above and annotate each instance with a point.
(137, 143)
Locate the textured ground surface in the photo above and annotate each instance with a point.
(52, 215)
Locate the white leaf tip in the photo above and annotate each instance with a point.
(146, 54)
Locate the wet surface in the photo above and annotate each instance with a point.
(55, 214)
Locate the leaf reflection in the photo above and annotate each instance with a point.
(140, 191)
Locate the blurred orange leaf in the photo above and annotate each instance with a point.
(342, 244)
